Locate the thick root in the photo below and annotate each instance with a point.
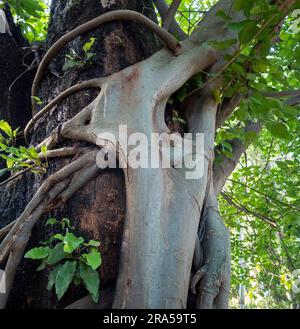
(212, 281)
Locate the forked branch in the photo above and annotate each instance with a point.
(169, 18)
(174, 27)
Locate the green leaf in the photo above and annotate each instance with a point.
(64, 277)
(217, 96)
(248, 32)
(238, 68)
(51, 221)
(237, 27)
(87, 46)
(42, 266)
(93, 258)
(3, 171)
(56, 254)
(44, 150)
(250, 137)
(227, 146)
(222, 14)
(279, 130)
(37, 100)
(90, 280)
(77, 278)
(65, 222)
(59, 236)
(89, 56)
(71, 242)
(222, 45)
(4, 126)
(243, 5)
(70, 63)
(181, 94)
(52, 277)
(38, 253)
(94, 243)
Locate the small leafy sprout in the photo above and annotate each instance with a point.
(10, 135)
(18, 158)
(69, 258)
(37, 100)
(176, 117)
(73, 60)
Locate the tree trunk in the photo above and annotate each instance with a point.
(97, 210)
(163, 210)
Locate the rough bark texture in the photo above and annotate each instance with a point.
(14, 97)
(16, 80)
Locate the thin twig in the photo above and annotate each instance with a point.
(246, 210)
(265, 195)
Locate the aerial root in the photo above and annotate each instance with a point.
(212, 279)
(117, 15)
(89, 84)
(5, 230)
(79, 179)
(57, 189)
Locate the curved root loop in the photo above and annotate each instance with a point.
(127, 15)
(89, 84)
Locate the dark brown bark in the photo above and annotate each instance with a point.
(98, 209)
(16, 79)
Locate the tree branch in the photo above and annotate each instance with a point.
(58, 188)
(223, 170)
(228, 106)
(284, 93)
(174, 27)
(294, 101)
(248, 211)
(267, 196)
(39, 198)
(169, 17)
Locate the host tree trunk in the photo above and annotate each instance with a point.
(164, 244)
